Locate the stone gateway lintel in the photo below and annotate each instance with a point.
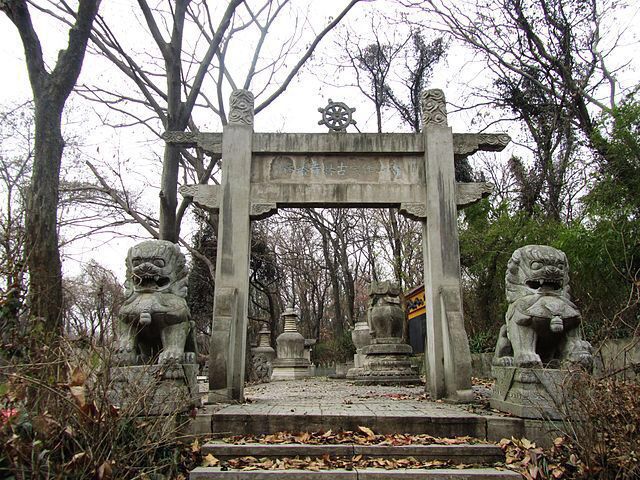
(464, 144)
(266, 199)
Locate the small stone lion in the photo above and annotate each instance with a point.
(154, 321)
(541, 321)
(385, 315)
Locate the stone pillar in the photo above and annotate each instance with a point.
(290, 363)
(447, 356)
(229, 330)
(263, 355)
(361, 337)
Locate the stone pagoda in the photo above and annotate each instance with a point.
(290, 363)
(262, 356)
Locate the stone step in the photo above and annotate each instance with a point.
(455, 454)
(217, 473)
(243, 420)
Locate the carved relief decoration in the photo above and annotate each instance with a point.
(187, 139)
(498, 140)
(241, 107)
(260, 211)
(469, 143)
(434, 108)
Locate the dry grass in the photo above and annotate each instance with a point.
(57, 421)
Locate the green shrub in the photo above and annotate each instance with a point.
(335, 350)
(482, 342)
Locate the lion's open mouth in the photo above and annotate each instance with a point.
(151, 282)
(546, 284)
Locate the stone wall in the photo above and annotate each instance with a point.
(621, 356)
(612, 356)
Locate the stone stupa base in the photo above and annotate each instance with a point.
(290, 369)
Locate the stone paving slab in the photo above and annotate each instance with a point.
(215, 473)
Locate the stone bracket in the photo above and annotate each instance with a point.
(260, 211)
(204, 196)
(413, 211)
(210, 143)
(469, 193)
(469, 143)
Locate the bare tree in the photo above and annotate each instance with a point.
(92, 302)
(550, 68)
(16, 154)
(195, 53)
(50, 92)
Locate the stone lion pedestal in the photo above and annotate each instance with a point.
(535, 393)
(155, 389)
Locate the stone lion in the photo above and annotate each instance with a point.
(154, 321)
(541, 321)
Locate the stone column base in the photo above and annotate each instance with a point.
(155, 389)
(537, 393)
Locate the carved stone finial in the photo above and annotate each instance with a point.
(434, 108)
(241, 107)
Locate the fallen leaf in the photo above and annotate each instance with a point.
(527, 444)
(368, 432)
(78, 394)
(105, 470)
(210, 461)
(78, 377)
(195, 446)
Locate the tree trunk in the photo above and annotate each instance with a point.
(169, 194)
(43, 256)
(50, 92)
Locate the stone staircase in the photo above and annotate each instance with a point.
(352, 461)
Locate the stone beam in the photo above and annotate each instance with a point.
(266, 198)
(464, 144)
